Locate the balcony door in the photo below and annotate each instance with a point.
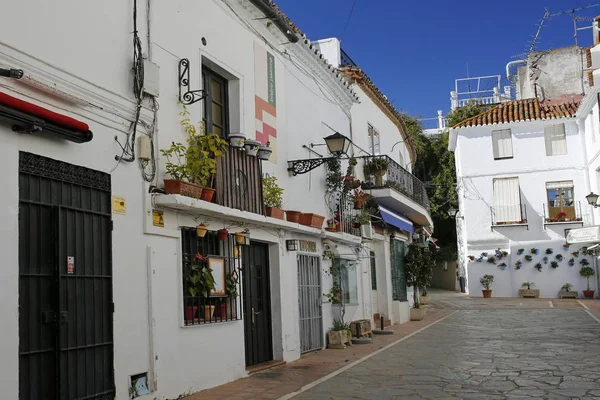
(507, 201)
(560, 200)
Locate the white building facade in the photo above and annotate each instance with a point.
(521, 185)
(100, 281)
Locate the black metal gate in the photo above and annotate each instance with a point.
(65, 282)
(310, 298)
(257, 304)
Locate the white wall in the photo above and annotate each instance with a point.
(476, 170)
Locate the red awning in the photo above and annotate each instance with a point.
(50, 116)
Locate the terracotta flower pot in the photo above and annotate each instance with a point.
(201, 231)
(222, 234)
(239, 237)
(588, 294)
(487, 293)
(173, 186)
(190, 311)
(221, 310)
(358, 204)
(208, 194)
(313, 220)
(292, 216)
(274, 212)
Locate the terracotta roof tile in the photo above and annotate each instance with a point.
(523, 110)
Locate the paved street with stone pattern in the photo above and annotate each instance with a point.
(499, 349)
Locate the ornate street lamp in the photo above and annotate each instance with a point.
(337, 144)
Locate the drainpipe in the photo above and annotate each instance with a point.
(277, 19)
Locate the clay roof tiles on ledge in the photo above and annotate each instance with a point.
(523, 110)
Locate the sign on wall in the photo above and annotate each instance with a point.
(589, 234)
(308, 246)
(265, 98)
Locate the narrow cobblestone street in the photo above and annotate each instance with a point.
(487, 349)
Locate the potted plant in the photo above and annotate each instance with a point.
(554, 264)
(377, 167)
(520, 251)
(538, 266)
(549, 251)
(334, 224)
(200, 283)
(486, 281)
(528, 257)
(339, 335)
(527, 291)
(334, 179)
(240, 237)
(350, 181)
(566, 247)
(559, 257)
(518, 265)
(535, 251)
(587, 271)
(359, 198)
(264, 151)
(231, 290)
(201, 229)
(575, 253)
(273, 197)
(418, 266)
(237, 140)
(292, 216)
(222, 234)
(566, 293)
(252, 147)
(503, 266)
(362, 218)
(312, 220)
(572, 262)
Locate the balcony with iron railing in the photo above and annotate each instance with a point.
(511, 215)
(394, 187)
(559, 213)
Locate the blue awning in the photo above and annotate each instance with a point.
(398, 220)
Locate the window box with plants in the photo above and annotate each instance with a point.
(527, 291)
(566, 292)
(272, 197)
(192, 169)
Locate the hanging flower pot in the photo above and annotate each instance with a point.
(222, 234)
(201, 230)
(251, 147)
(264, 152)
(237, 140)
(358, 204)
(239, 237)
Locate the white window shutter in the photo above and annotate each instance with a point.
(507, 200)
(556, 141)
(502, 144)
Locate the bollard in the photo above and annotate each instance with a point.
(357, 330)
(382, 324)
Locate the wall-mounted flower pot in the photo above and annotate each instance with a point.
(239, 237)
(208, 194)
(588, 294)
(417, 314)
(222, 233)
(274, 212)
(201, 231)
(237, 140)
(313, 220)
(264, 152)
(173, 186)
(252, 147)
(487, 293)
(292, 216)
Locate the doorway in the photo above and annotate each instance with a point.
(65, 281)
(310, 303)
(258, 335)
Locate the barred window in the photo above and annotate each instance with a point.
(212, 274)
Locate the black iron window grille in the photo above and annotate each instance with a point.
(200, 254)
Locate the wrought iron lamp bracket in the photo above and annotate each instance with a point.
(188, 96)
(299, 167)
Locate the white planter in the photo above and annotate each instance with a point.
(252, 147)
(264, 152)
(237, 140)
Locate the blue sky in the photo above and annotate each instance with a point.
(414, 50)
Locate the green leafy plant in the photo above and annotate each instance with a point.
(534, 251)
(418, 268)
(272, 193)
(549, 251)
(199, 277)
(587, 272)
(334, 179)
(362, 218)
(520, 251)
(196, 163)
(566, 287)
(584, 262)
(486, 281)
(231, 285)
(376, 164)
(528, 285)
(528, 257)
(538, 266)
(554, 264)
(339, 325)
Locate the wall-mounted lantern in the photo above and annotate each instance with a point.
(454, 213)
(292, 245)
(337, 144)
(592, 199)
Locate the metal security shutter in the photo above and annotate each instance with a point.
(556, 141)
(310, 297)
(507, 200)
(502, 144)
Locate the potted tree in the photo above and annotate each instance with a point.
(486, 281)
(418, 269)
(566, 293)
(587, 271)
(200, 283)
(273, 197)
(527, 291)
(378, 168)
(424, 297)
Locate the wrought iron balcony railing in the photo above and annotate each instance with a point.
(509, 215)
(383, 172)
(561, 213)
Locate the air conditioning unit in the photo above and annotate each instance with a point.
(366, 231)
